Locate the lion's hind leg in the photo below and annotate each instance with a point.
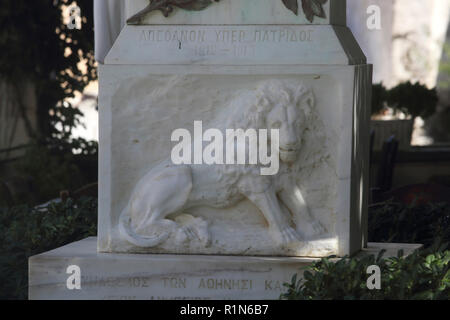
(161, 194)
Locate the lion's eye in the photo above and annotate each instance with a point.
(276, 124)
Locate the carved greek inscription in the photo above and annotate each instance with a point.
(273, 285)
(112, 282)
(179, 283)
(225, 284)
(173, 35)
(120, 298)
(227, 35)
(243, 51)
(231, 36)
(107, 282)
(283, 35)
(174, 283)
(138, 282)
(233, 42)
(205, 50)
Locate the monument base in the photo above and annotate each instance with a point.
(165, 277)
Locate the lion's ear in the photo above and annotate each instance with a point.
(263, 103)
(257, 119)
(253, 117)
(286, 96)
(307, 101)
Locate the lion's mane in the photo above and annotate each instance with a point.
(249, 110)
(251, 107)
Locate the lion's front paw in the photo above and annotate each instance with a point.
(312, 229)
(286, 236)
(181, 236)
(192, 228)
(319, 228)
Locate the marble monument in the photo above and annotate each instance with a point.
(271, 65)
(233, 142)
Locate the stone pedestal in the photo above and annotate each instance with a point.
(240, 65)
(161, 277)
(235, 65)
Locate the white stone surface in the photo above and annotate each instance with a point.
(241, 12)
(109, 19)
(140, 106)
(236, 45)
(419, 32)
(159, 78)
(169, 189)
(160, 277)
(376, 43)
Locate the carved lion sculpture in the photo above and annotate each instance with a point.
(168, 189)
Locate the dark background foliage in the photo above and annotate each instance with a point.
(37, 46)
(26, 231)
(425, 274)
(413, 99)
(417, 223)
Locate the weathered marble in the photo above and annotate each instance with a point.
(159, 277)
(141, 105)
(162, 77)
(419, 31)
(241, 12)
(235, 45)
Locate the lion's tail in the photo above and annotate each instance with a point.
(131, 236)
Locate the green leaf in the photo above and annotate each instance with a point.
(316, 6)
(380, 254)
(291, 5)
(312, 8)
(195, 5)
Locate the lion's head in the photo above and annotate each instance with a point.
(276, 104)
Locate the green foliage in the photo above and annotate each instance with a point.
(37, 46)
(26, 231)
(444, 67)
(379, 97)
(422, 275)
(412, 99)
(400, 223)
(425, 274)
(50, 169)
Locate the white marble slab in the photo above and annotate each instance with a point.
(161, 277)
(237, 64)
(241, 12)
(141, 105)
(236, 45)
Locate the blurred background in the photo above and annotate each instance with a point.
(48, 87)
(49, 120)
